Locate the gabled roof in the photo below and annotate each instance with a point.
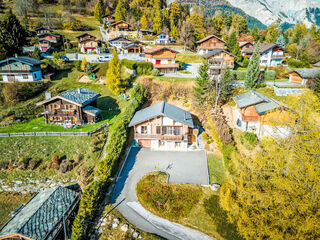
(307, 72)
(85, 35)
(261, 102)
(120, 38)
(242, 44)
(132, 45)
(47, 34)
(317, 64)
(208, 38)
(118, 22)
(41, 27)
(78, 96)
(264, 47)
(157, 49)
(92, 110)
(26, 60)
(163, 109)
(38, 218)
(216, 51)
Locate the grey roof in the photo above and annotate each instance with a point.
(308, 72)
(82, 96)
(37, 219)
(132, 45)
(263, 48)
(317, 64)
(26, 60)
(216, 51)
(163, 109)
(261, 102)
(209, 37)
(92, 110)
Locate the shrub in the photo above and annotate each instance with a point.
(4, 165)
(65, 166)
(294, 63)
(270, 75)
(245, 62)
(55, 161)
(250, 137)
(33, 164)
(130, 64)
(155, 72)
(77, 65)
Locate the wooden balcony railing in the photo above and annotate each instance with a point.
(160, 137)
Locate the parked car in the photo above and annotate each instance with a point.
(64, 58)
(104, 58)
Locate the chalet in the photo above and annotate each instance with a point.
(145, 32)
(163, 59)
(271, 54)
(88, 43)
(209, 43)
(119, 42)
(40, 30)
(164, 126)
(162, 38)
(303, 76)
(108, 19)
(46, 216)
(76, 106)
(20, 69)
(261, 115)
(46, 41)
(245, 45)
(218, 59)
(119, 26)
(134, 47)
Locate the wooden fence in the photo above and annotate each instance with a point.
(28, 134)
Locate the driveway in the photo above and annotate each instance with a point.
(182, 167)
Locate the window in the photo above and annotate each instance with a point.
(158, 130)
(35, 75)
(177, 130)
(144, 129)
(171, 130)
(24, 76)
(164, 130)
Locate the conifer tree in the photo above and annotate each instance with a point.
(173, 30)
(201, 83)
(226, 84)
(157, 23)
(233, 45)
(113, 78)
(84, 64)
(107, 11)
(120, 12)
(36, 53)
(255, 33)
(316, 87)
(281, 41)
(252, 75)
(144, 22)
(98, 10)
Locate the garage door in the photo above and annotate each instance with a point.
(144, 143)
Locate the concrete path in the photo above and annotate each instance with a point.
(182, 167)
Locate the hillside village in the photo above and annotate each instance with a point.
(152, 120)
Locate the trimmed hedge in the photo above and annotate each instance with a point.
(142, 68)
(96, 190)
(240, 75)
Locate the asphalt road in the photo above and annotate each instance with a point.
(182, 167)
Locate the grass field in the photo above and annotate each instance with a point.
(174, 79)
(217, 170)
(189, 57)
(190, 205)
(9, 202)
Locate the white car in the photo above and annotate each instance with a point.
(104, 58)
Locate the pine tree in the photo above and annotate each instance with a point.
(173, 30)
(233, 45)
(157, 23)
(36, 53)
(113, 78)
(107, 11)
(255, 33)
(98, 10)
(281, 41)
(12, 36)
(316, 87)
(201, 83)
(144, 22)
(252, 75)
(84, 64)
(272, 33)
(89, 69)
(226, 85)
(120, 12)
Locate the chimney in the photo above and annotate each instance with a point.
(48, 95)
(185, 116)
(79, 90)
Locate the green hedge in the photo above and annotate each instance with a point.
(96, 190)
(240, 75)
(142, 68)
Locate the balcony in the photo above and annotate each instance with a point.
(277, 56)
(160, 137)
(219, 65)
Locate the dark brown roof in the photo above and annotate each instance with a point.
(209, 37)
(85, 35)
(121, 21)
(263, 48)
(157, 49)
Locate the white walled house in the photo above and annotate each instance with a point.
(164, 127)
(119, 43)
(20, 69)
(271, 54)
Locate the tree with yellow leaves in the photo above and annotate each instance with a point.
(276, 191)
(84, 64)
(113, 77)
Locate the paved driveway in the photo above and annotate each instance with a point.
(182, 167)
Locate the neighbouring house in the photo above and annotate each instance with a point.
(40, 30)
(316, 65)
(163, 59)
(134, 47)
(119, 26)
(272, 54)
(20, 69)
(162, 38)
(119, 42)
(46, 41)
(108, 19)
(303, 75)
(209, 43)
(245, 45)
(218, 60)
(46, 216)
(76, 106)
(88, 43)
(145, 32)
(261, 115)
(164, 126)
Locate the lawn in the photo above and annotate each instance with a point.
(217, 170)
(174, 79)
(193, 206)
(9, 202)
(189, 57)
(184, 72)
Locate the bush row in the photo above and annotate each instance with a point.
(240, 75)
(142, 68)
(96, 190)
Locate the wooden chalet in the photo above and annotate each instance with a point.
(40, 30)
(209, 43)
(303, 76)
(119, 42)
(119, 26)
(88, 43)
(163, 59)
(46, 41)
(76, 106)
(134, 47)
(245, 45)
(219, 59)
(46, 216)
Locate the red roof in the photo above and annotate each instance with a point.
(157, 49)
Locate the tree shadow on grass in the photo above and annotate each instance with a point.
(219, 216)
